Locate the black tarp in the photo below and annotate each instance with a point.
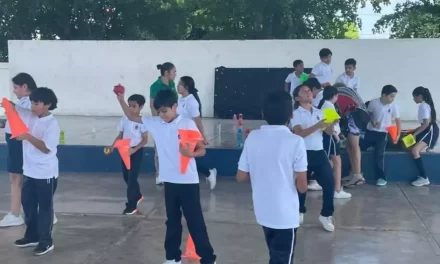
(242, 90)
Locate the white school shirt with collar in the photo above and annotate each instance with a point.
(323, 72)
(272, 155)
(330, 105)
(37, 164)
(350, 82)
(131, 130)
(318, 98)
(424, 112)
(294, 81)
(188, 107)
(166, 137)
(384, 114)
(306, 119)
(23, 107)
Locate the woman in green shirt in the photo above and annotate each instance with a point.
(165, 81)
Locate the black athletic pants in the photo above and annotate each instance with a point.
(131, 178)
(281, 244)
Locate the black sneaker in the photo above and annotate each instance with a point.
(129, 211)
(41, 249)
(24, 243)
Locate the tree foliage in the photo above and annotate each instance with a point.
(420, 19)
(176, 19)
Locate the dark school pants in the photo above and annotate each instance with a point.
(131, 178)
(186, 198)
(281, 244)
(377, 140)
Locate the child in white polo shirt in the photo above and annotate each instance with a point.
(23, 84)
(138, 138)
(40, 170)
(295, 78)
(382, 111)
(308, 122)
(189, 106)
(349, 78)
(182, 192)
(323, 71)
(275, 161)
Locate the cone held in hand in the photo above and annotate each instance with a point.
(393, 132)
(123, 146)
(17, 125)
(188, 137)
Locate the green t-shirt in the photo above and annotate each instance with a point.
(159, 85)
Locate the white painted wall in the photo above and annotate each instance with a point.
(5, 85)
(83, 73)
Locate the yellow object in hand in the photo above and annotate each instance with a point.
(106, 150)
(409, 140)
(330, 115)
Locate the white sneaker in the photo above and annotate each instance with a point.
(420, 181)
(158, 182)
(212, 179)
(11, 220)
(172, 262)
(357, 179)
(301, 218)
(314, 186)
(327, 223)
(55, 219)
(342, 194)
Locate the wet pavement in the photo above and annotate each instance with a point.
(397, 224)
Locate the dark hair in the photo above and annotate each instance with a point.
(189, 84)
(278, 108)
(313, 83)
(166, 67)
(351, 62)
(44, 95)
(139, 99)
(329, 93)
(25, 78)
(325, 52)
(388, 89)
(297, 62)
(426, 95)
(296, 94)
(165, 98)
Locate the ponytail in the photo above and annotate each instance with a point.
(328, 94)
(427, 97)
(189, 84)
(321, 103)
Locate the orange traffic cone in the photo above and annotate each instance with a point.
(17, 126)
(123, 146)
(393, 132)
(188, 138)
(190, 251)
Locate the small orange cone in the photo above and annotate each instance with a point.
(393, 132)
(188, 137)
(17, 126)
(123, 146)
(190, 251)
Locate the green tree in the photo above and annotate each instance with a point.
(419, 19)
(351, 31)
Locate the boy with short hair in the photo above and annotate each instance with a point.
(138, 136)
(349, 78)
(40, 170)
(297, 77)
(182, 192)
(276, 170)
(323, 71)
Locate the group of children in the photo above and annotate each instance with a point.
(32, 164)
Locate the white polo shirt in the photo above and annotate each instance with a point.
(37, 164)
(131, 130)
(318, 98)
(350, 82)
(23, 107)
(188, 107)
(166, 137)
(424, 112)
(272, 155)
(306, 119)
(329, 105)
(294, 81)
(384, 114)
(323, 72)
